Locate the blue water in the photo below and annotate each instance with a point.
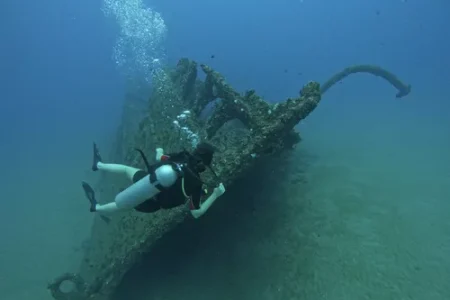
(381, 174)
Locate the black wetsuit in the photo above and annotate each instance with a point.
(174, 196)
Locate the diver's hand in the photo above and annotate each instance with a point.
(219, 190)
(159, 153)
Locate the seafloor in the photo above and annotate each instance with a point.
(316, 224)
(360, 210)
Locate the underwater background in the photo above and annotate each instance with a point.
(360, 209)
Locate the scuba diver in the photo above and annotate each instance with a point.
(172, 181)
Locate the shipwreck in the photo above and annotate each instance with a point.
(242, 126)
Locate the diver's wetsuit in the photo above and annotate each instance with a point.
(186, 188)
(172, 181)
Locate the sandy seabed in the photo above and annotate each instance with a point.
(334, 220)
(346, 217)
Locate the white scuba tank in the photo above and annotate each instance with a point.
(144, 189)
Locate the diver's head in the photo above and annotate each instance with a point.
(203, 154)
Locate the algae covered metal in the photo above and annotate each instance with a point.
(242, 126)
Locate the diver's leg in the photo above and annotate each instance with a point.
(119, 169)
(145, 188)
(113, 168)
(108, 208)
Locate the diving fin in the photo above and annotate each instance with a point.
(96, 159)
(90, 194)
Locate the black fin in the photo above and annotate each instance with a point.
(96, 158)
(90, 194)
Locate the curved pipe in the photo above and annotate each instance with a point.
(403, 89)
